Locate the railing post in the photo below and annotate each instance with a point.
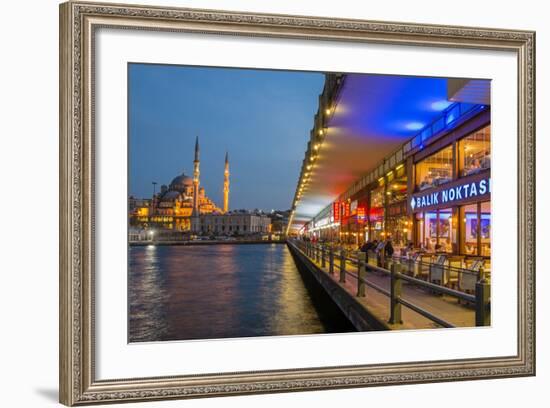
(395, 306)
(331, 261)
(480, 274)
(361, 275)
(323, 260)
(343, 266)
(317, 253)
(483, 307)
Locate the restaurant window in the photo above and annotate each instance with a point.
(475, 152)
(397, 189)
(435, 170)
(399, 231)
(419, 230)
(435, 230)
(485, 228)
(476, 227)
(376, 213)
(445, 231)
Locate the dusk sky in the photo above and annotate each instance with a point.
(262, 118)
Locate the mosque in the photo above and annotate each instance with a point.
(180, 205)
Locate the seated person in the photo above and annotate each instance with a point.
(472, 167)
(426, 183)
(485, 162)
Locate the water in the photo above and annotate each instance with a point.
(224, 291)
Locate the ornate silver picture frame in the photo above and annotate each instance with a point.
(79, 22)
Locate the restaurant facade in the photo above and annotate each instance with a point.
(434, 192)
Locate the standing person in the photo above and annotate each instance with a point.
(389, 248)
(409, 249)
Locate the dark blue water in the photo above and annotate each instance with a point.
(224, 291)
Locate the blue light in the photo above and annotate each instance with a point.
(450, 118)
(440, 105)
(414, 126)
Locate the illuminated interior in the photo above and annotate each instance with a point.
(435, 170)
(475, 152)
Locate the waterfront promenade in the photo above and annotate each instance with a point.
(376, 298)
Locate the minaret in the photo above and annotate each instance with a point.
(195, 217)
(226, 184)
(196, 174)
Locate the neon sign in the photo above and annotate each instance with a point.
(346, 210)
(336, 211)
(464, 190)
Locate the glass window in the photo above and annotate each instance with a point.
(419, 229)
(397, 189)
(430, 230)
(436, 169)
(376, 213)
(436, 229)
(377, 198)
(399, 231)
(476, 227)
(470, 229)
(445, 231)
(485, 228)
(475, 152)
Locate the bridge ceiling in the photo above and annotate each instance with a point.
(373, 116)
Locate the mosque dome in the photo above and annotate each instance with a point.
(181, 182)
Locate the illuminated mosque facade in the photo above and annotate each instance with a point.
(180, 205)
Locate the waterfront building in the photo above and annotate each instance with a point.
(431, 190)
(235, 223)
(279, 221)
(180, 205)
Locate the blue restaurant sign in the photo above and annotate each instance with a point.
(453, 193)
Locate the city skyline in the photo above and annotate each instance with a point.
(230, 110)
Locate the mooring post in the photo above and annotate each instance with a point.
(331, 261)
(395, 292)
(342, 265)
(483, 307)
(361, 273)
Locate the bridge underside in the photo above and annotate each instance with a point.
(373, 115)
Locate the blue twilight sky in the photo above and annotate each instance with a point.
(261, 117)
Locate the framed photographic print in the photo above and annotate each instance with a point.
(258, 203)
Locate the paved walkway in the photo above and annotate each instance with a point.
(442, 306)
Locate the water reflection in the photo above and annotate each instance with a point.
(223, 291)
(147, 296)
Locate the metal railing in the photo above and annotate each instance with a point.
(447, 272)
(398, 272)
